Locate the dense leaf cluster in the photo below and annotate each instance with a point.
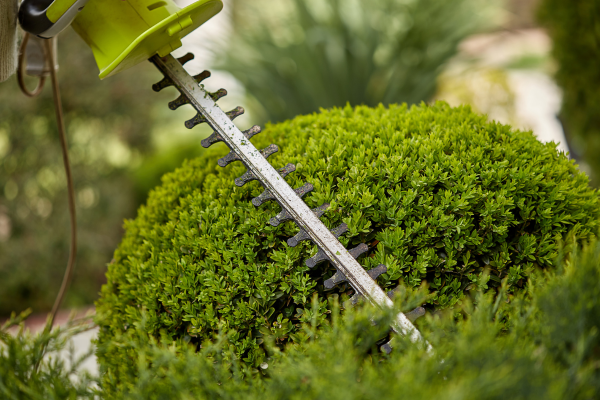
(439, 194)
(541, 343)
(39, 366)
(549, 349)
(574, 27)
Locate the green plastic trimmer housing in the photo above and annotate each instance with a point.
(123, 33)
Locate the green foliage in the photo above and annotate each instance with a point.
(31, 367)
(542, 343)
(439, 194)
(296, 56)
(549, 349)
(107, 128)
(570, 317)
(574, 27)
(147, 175)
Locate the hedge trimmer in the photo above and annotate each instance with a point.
(123, 33)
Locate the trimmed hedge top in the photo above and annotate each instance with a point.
(439, 194)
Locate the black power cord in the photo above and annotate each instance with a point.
(51, 63)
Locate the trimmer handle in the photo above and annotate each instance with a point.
(47, 18)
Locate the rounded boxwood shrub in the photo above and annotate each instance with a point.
(438, 193)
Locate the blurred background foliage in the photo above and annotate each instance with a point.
(108, 127)
(574, 27)
(295, 56)
(290, 57)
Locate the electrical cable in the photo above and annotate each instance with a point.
(51, 63)
(21, 70)
(71, 192)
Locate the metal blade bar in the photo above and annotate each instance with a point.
(283, 193)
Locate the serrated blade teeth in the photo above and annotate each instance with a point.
(321, 256)
(229, 158)
(392, 292)
(165, 82)
(339, 277)
(299, 237)
(279, 218)
(285, 171)
(212, 139)
(218, 94)
(358, 250)
(414, 314)
(198, 119)
(255, 130)
(236, 112)
(304, 189)
(178, 102)
(285, 216)
(377, 271)
(386, 348)
(247, 177)
(356, 298)
(202, 76)
(275, 186)
(263, 197)
(269, 150)
(319, 211)
(340, 230)
(316, 259)
(411, 315)
(336, 279)
(267, 195)
(186, 58)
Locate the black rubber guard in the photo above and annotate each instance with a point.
(32, 16)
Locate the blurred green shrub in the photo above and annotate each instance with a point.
(295, 56)
(41, 366)
(549, 349)
(439, 194)
(574, 27)
(108, 126)
(153, 166)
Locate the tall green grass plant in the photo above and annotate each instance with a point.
(295, 56)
